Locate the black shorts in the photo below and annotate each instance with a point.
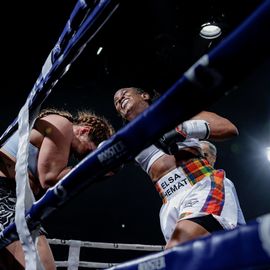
(208, 222)
(8, 203)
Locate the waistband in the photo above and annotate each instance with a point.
(196, 169)
(185, 176)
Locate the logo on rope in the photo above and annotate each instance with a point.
(112, 153)
(155, 264)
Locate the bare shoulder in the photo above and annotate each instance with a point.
(53, 121)
(205, 114)
(211, 117)
(221, 127)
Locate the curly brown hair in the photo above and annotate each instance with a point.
(63, 113)
(101, 129)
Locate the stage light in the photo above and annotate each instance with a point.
(210, 30)
(99, 50)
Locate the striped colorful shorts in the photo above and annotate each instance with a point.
(197, 190)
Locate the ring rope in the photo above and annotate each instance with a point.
(103, 245)
(241, 248)
(125, 143)
(79, 30)
(75, 246)
(85, 264)
(25, 198)
(232, 244)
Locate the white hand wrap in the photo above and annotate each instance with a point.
(199, 129)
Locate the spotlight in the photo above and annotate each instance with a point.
(210, 30)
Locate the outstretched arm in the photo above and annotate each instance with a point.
(220, 128)
(205, 125)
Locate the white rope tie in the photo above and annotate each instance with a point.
(24, 194)
(74, 255)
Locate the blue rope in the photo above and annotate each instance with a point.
(183, 100)
(241, 248)
(79, 30)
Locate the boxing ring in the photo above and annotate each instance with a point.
(204, 83)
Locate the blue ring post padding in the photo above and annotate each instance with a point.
(65, 52)
(168, 111)
(240, 248)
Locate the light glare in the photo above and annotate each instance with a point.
(268, 153)
(99, 50)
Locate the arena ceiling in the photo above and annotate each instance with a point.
(146, 43)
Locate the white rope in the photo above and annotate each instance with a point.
(74, 252)
(25, 197)
(108, 245)
(86, 264)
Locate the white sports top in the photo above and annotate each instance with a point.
(150, 154)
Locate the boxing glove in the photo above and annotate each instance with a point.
(168, 142)
(189, 129)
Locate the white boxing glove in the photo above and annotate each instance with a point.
(199, 129)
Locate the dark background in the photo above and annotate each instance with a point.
(147, 44)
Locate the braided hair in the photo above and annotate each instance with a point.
(101, 129)
(63, 113)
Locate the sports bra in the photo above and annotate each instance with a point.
(149, 155)
(11, 147)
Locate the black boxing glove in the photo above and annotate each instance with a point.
(168, 142)
(189, 129)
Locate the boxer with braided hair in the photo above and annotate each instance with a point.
(101, 129)
(56, 137)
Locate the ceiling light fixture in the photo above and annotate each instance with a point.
(99, 50)
(210, 30)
